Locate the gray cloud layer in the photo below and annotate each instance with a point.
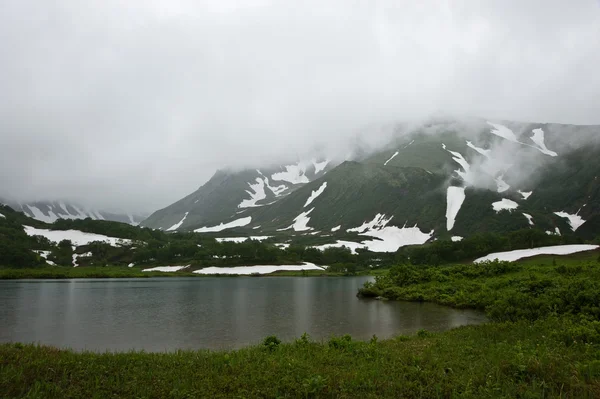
(128, 104)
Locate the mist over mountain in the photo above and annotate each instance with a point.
(131, 106)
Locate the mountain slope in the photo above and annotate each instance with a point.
(50, 211)
(444, 179)
(228, 194)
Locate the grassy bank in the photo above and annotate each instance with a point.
(509, 360)
(506, 291)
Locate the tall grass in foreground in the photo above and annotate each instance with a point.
(497, 360)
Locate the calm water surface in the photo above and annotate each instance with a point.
(169, 313)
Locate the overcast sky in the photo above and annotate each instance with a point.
(134, 104)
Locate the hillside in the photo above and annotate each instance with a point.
(50, 211)
(444, 179)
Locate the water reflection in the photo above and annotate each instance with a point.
(192, 313)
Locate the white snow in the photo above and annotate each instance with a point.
(556, 232)
(39, 215)
(45, 254)
(392, 157)
(276, 190)
(458, 158)
(503, 204)
(260, 269)
(2, 216)
(512, 256)
(456, 238)
(538, 139)
(319, 166)
(315, 194)
(480, 150)
(222, 226)
(256, 192)
(242, 239)
(574, 220)
(301, 221)
(501, 184)
(256, 227)
(529, 218)
(294, 174)
(75, 256)
(131, 265)
(353, 246)
(525, 194)
(75, 236)
(178, 225)
(455, 197)
(504, 132)
(282, 245)
(165, 268)
(379, 221)
(390, 237)
(336, 228)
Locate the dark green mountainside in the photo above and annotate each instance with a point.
(513, 175)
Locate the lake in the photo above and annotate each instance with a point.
(158, 314)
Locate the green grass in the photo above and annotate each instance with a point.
(497, 360)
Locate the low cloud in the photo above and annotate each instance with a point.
(131, 105)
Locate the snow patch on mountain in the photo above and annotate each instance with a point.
(504, 132)
(222, 226)
(392, 157)
(504, 204)
(529, 218)
(242, 239)
(178, 225)
(336, 228)
(378, 222)
(41, 216)
(482, 151)
(456, 238)
(538, 139)
(319, 166)
(77, 256)
(574, 220)
(390, 237)
(512, 256)
(525, 194)
(502, 186)
(455, 196)
(256, 192)
(294, 174)
(76, 237)
(276, 190)
(2, 216)
(258, 269)
(353, 246)
(45, 254)
(458, 158)
(315, 194)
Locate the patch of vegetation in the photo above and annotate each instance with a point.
(553, 357)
